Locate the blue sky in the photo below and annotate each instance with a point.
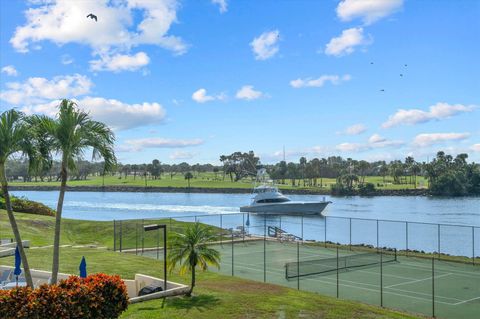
(190, 80)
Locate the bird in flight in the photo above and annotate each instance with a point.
(382, 90)
(92, 16)
(371, 62)
(401, 74)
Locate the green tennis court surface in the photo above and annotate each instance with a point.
(406, 283)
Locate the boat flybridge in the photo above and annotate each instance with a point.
(268, 199)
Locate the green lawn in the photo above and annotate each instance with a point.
(208, 180)
(216, 296)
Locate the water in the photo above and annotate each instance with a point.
(337, 227)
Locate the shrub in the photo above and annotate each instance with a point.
(23, 205)
(97, 296)
(366, 189)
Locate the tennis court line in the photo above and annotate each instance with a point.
(333, 282)
(418, 280)
(367, 289)
(465, 301)
(416, 266)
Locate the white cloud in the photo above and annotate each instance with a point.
(222, 5)
(367, 10)
(375, 138)
(201, 96)
(120, 62)
(374, 142)
(319, 82)
(116, 31)
(40, 90)
(136, 145)
(180, 155)
(346, 42)
(437, 112)
(66, 59)
(355, 129)
(428, 139)
(265, 46)
(118, 115)
(248, 93)
(10, 70)
(475, 147)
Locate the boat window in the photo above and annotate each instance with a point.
(273, 200)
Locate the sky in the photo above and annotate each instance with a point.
(189, 80)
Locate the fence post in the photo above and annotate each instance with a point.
(221, 230)
(114, 236)
(232, 257)
(325, 241)
(264, 248)
(280, 224)
(143, 236)
(121, 236)
(377, 237)
(433, 287)
(381, 278)
(136, 237)
(158, 244)
(473, 245)
(438, 241)
(350, 220)
(243, 227)
(298, 265)
(302, 228)
(406, 239)
(338, 292)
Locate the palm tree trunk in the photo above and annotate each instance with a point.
(13, 223)
(58, 222)
(193, 282)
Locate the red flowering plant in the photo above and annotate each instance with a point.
(97, 296)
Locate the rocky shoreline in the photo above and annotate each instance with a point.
(154, 189)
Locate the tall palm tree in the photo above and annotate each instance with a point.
(15, 137)
(69, 135)
(188, 177)
(190, 250)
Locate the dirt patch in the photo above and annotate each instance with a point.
(246, 286)
(40, 223)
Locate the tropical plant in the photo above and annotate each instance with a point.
(15, 137)
(190, 250)
(188, 177)
(69, 135)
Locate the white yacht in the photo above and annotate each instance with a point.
(268, 199)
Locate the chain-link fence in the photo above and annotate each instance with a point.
(435, 270)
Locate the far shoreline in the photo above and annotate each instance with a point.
(210, 190)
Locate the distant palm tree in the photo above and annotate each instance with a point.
(69, 135)
(188, 177)
(190, 251)
(15, 136)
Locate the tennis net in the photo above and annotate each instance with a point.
(325, 265)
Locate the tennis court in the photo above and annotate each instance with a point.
(404, 284)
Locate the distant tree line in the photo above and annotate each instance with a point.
(445, 174)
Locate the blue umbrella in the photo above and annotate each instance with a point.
(83, 268)
(18, 262)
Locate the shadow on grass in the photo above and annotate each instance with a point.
(199, 303)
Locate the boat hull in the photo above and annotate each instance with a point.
(299, 208)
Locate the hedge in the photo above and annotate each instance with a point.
(23, 205)
(97, 296)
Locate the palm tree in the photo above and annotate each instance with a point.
(190, 250)
(69, 135)
(15, 136)
(188, 177)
